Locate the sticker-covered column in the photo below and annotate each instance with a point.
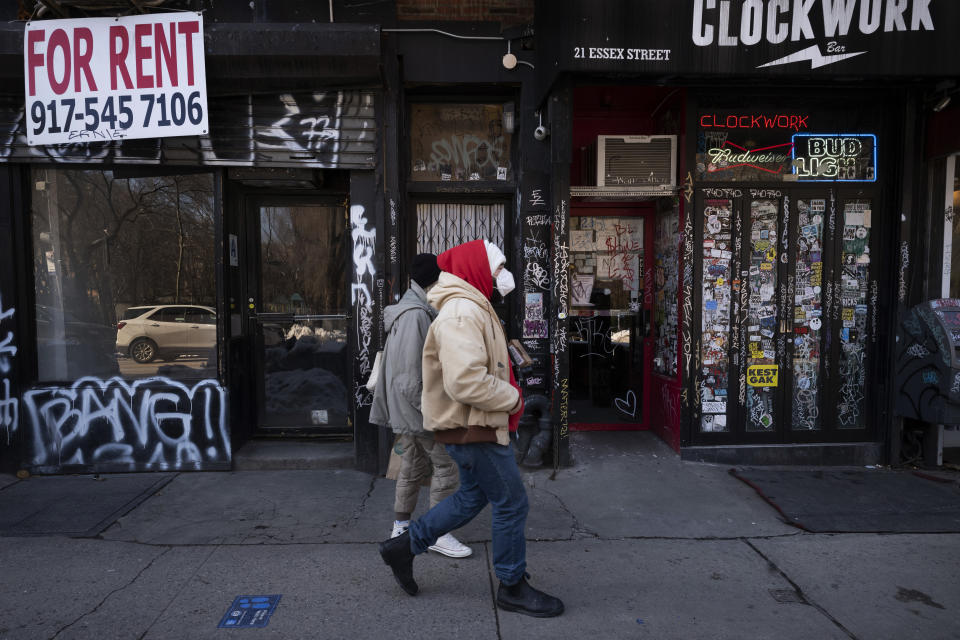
(808, 314)
(853, 313)
(718, 268)
(761, 312)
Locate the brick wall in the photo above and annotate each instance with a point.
(508, 12)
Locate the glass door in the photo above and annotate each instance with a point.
(611, 304)
(300, 317)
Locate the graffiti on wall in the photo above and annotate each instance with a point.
(364, 237)
(149, 424)
(561, 280)
(459, 142)
(324, 129)
(687, 319)
(9, 405)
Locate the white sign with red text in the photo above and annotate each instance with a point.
(98, 79)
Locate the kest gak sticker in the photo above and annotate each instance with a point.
(762, 375)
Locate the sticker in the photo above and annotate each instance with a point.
(861, 232)
(710, 305)
(714, 407)
(234, 251)
(501, 173)
(249, 611)
(815, 323)
(713, 224)
(762, 375)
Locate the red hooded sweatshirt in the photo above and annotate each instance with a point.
(469, 262)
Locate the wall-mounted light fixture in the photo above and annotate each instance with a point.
(511, 61)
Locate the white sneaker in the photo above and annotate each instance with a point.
(451, 547)
(398, 529)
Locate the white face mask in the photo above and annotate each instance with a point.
(505, 283)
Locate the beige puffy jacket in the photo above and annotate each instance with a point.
(466, 366)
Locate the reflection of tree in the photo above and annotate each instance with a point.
(123, 241)
(302, 252)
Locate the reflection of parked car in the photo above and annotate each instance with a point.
(69, 347)
(164, 331)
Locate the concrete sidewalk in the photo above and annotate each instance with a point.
(637, 543)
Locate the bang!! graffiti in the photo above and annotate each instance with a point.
(148, 425)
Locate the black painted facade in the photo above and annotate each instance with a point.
(304, 111)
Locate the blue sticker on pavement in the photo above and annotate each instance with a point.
(249, 611)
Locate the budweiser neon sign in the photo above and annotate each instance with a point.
(731, 156)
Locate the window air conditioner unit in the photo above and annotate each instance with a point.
(637, 162)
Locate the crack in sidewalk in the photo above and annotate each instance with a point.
(109, 595)
(177, 594)
(578, 531)
(363, 501)
(804, 598)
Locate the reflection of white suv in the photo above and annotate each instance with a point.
(166, 331)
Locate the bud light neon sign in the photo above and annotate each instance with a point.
(835, 157)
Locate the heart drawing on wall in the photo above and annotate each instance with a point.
(628, 405)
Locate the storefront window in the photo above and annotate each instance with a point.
(460, 142)
(954, 219)
(124, 275)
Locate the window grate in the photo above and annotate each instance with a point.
(442, 226)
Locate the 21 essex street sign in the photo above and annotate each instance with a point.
(112, 78)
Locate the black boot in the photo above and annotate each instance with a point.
(396, 553)
(523, 598)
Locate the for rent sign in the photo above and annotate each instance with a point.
(113, 78)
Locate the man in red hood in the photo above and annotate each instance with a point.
(469, 401)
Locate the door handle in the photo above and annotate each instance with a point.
(155, 324)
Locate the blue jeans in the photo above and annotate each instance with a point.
(488, 473)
